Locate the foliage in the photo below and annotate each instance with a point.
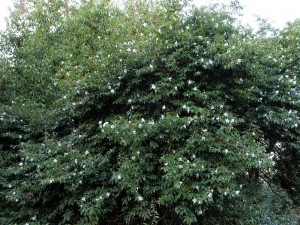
(154, 113)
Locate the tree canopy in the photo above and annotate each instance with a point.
(156, 112)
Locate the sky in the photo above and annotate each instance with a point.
(278, 11)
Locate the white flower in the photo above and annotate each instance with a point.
(227, 120)
(33, 218)
(112, 91)
(226, 114)
(140, 126)
(239, 60)
(112, 126)
(209, 195)
(55, 160)
(153, 86)
(190, 82)
(128, 49)
(145, 24)
(143, 120)
(180, 166)
(194, 200)
(140, 198)
(226, 151)
(119, 177)
(21, 164)
(237, 192)
(87, 152)
(151, 66)
(107, 194)
(83, 199)
(65, 97)
(164, 107)
(225, 193)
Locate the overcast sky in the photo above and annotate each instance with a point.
(278, 11)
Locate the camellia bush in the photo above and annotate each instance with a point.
(150, 112)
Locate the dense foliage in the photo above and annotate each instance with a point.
(156, 112)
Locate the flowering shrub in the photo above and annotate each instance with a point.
(153, 113)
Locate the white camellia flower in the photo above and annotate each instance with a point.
(140, 198)
(194, 200)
